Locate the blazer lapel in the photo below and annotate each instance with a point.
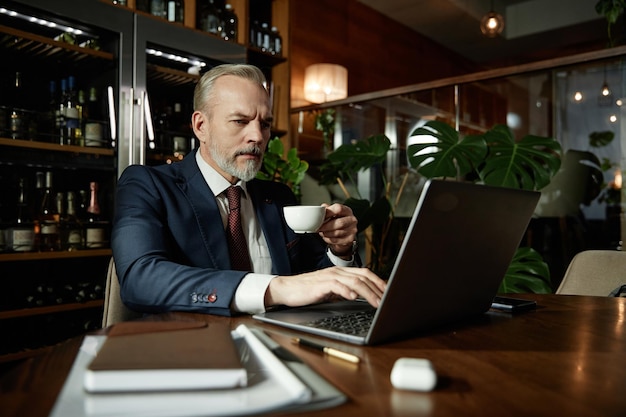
(202, 202)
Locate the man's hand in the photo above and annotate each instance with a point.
(325, 285)
(339, 229)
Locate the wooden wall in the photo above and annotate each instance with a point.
(378, 52)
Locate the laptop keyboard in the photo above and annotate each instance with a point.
(357, 323)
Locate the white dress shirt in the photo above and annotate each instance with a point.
(250, 294)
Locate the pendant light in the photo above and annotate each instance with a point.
(492, 24)
(325, 82)
(605, 98)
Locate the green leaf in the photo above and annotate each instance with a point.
(451, 156)
(600, 139)
(610, 9)
(528, 164)
(527, 273)
(290, 171)
(275, 146)
(348, 159)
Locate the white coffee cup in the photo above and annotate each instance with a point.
(304, 219)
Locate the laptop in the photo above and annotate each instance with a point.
(457, 248)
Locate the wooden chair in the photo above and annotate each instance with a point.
(114, 309)
(594, 272)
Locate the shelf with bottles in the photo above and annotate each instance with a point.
(55, 147)
(23, 44)
(57, 108)
(54, 214)
(171, 102)
(170, 77)
(222, 19)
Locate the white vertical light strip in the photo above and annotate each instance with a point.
(131, 126)
(112, 118)
(148, 115)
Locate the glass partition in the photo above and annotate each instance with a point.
(576, 100)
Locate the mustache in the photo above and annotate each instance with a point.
(252, 150)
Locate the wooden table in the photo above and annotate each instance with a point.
(567, 358)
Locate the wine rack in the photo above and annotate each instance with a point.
(41, 55)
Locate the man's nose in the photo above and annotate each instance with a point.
(255, 132)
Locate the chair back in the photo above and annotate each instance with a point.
(114, 309)
(594, 272)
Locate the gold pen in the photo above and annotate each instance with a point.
(327, 350)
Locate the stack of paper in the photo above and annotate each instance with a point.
(272, 385)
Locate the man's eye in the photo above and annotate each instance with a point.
(241, 122)
(266, 125)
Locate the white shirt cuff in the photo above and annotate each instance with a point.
(337, 261)
(250, 294)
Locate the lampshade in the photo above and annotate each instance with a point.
(325, 82)
(492, 24)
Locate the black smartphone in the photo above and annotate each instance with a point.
(512, 305)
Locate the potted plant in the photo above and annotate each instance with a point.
(325, 123)
(492, 158)
(289, 171)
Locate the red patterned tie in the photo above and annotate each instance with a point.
(239, 256)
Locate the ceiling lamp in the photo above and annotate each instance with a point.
(325, 82)
(492, 24)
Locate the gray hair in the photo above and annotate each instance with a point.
(203, 92)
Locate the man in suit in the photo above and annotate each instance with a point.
(169, 240)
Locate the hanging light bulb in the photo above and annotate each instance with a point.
(578, 96)
(605, 98)
(492, 24)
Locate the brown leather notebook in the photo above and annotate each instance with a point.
(175, 355)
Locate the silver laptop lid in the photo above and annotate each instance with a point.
(457, 248)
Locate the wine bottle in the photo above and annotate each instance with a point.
(71, 231)
(180, 128)
(49, 219)
(61, 123)
(92, 115)
(21, 233)
(80, 106)
(256, 39)
(175, 11)
(266, 35)
(72, 115)
(157, 8)
(210, 18)
(276, 42)
(229, 23)
(96, 228)
(17, 123)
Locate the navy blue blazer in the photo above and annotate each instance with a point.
(169, 242)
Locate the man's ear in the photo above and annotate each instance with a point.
(199, 124)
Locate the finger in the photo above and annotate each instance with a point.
(364, 283)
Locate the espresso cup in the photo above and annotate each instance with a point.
(304, 219)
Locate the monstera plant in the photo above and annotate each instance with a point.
(492, 158)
